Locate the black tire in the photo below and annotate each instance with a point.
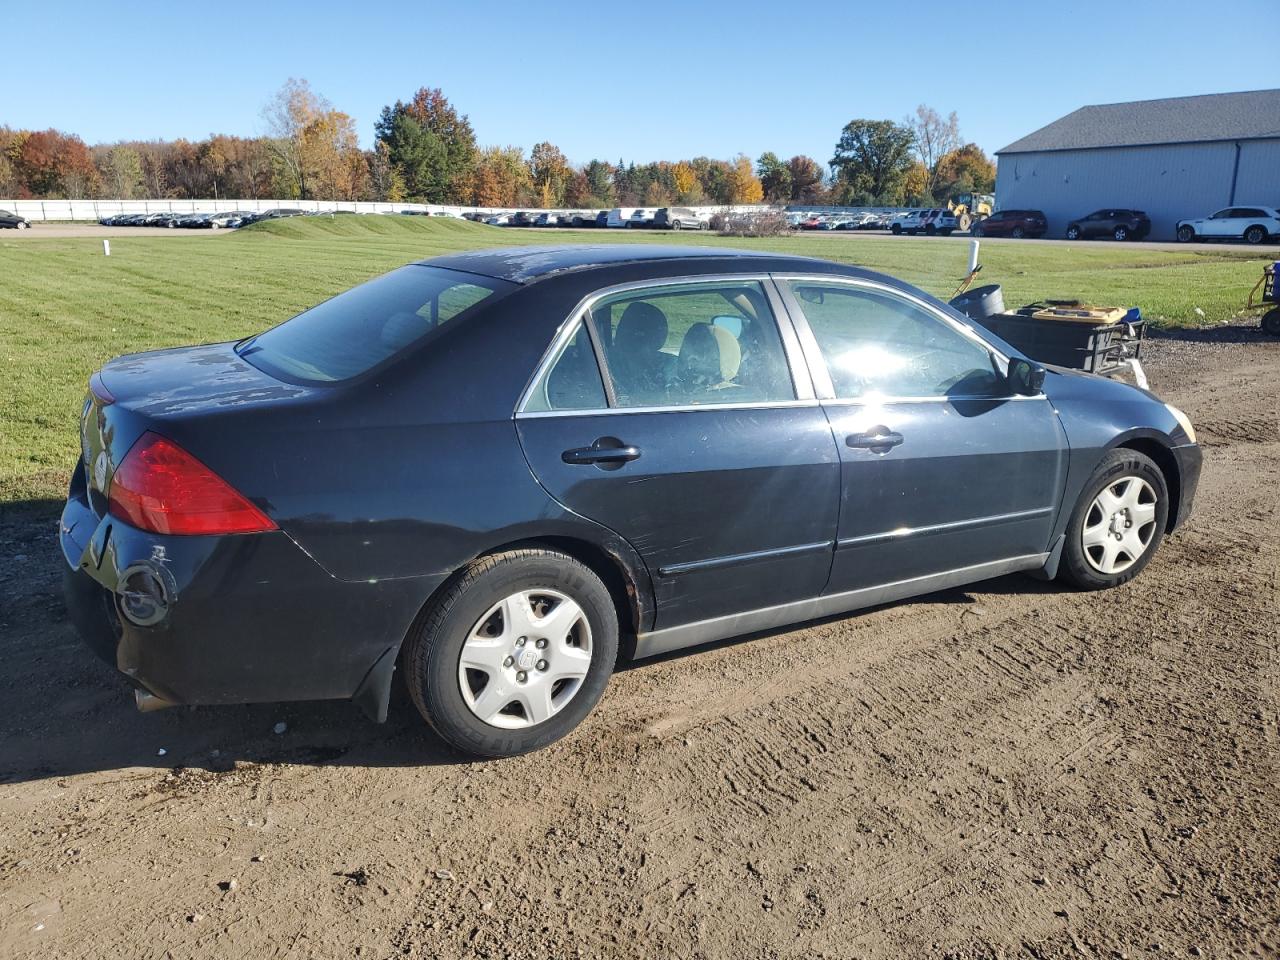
(435, 643)
(1076, 568)
(1017, 233)
(1271, 322)
(1121, 234)
(1186, 234)
(1073, 232)
(675, 224)
(1255, 234)
(896, 229)
(930, 230)
(976, 230)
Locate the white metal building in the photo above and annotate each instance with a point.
(1176, 158)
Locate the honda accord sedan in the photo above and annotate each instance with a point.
(495, 473)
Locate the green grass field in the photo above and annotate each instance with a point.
(65, 308)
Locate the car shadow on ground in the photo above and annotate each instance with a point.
(68, 713)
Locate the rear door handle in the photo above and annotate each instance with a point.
(609, 450)
(878, 439)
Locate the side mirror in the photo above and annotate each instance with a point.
(732, 324)
(1025, 378)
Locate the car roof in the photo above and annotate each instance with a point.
(528, 264)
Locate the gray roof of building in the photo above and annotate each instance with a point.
(1252, 115)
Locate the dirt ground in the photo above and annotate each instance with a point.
(1009, 770)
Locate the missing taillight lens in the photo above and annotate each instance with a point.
(161, 488)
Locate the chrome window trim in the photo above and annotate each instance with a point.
(818, 363)
(801, 383)
(687, 408)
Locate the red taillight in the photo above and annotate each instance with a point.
(162, 488)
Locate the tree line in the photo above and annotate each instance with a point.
(426, 151)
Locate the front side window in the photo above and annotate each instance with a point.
(713, 342)
(878, 345)
(355, 331)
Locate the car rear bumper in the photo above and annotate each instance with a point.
(1189, 460)
(235, 619)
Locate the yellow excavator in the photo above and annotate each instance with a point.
(971, 208)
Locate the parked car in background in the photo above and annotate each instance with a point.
(522, 218)
(547, 220)
(619, 216)
(1111, 222)
(939, 221)
(437, 476)
(1252, 224)
(227, 218)
(498, 220)
(10, 220)
(582, 218)
(641, 218)
(1012, 223)
(908, 221)
(679, 218)
(811, 222)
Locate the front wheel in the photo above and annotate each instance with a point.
(1017, 233)
(1186, 234)
(1116, 526)
(896, 229)
(1121, 234)
(22, 226)
(514, 653)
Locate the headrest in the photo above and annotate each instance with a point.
(709, 355)
(642, 329)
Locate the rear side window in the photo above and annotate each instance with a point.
(357, 330)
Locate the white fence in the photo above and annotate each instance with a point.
(97, 209)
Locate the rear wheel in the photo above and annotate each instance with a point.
(1117, 523)
(1073, 232)
(514, 653)
(1186, 234)
(1121, 233)
(1017, 233)
(976, 230)
(1255, 234)
(1271, 322)
(675, 224)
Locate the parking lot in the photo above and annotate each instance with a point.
(1012, 769)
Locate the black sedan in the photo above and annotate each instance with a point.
(496, 470)
(16, 221)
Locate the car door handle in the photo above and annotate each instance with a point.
(598, 453)
(877, 439)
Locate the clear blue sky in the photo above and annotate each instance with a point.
(639, 80)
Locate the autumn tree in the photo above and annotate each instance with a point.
(966, 169)
(934, 137)
(120, 170)
(50, 163)
(684, 178)
(775, 177)
(806, 179)
(499, 178)
(550, 172)
(744, 185)
(439, 158)
(871, 159)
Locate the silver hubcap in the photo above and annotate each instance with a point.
(525, 659)
(1120, 525)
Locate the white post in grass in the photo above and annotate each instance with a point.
(973, 256)
(106, 248)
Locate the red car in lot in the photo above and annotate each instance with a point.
(1012, 223)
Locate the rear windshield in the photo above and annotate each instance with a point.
(357, 330)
